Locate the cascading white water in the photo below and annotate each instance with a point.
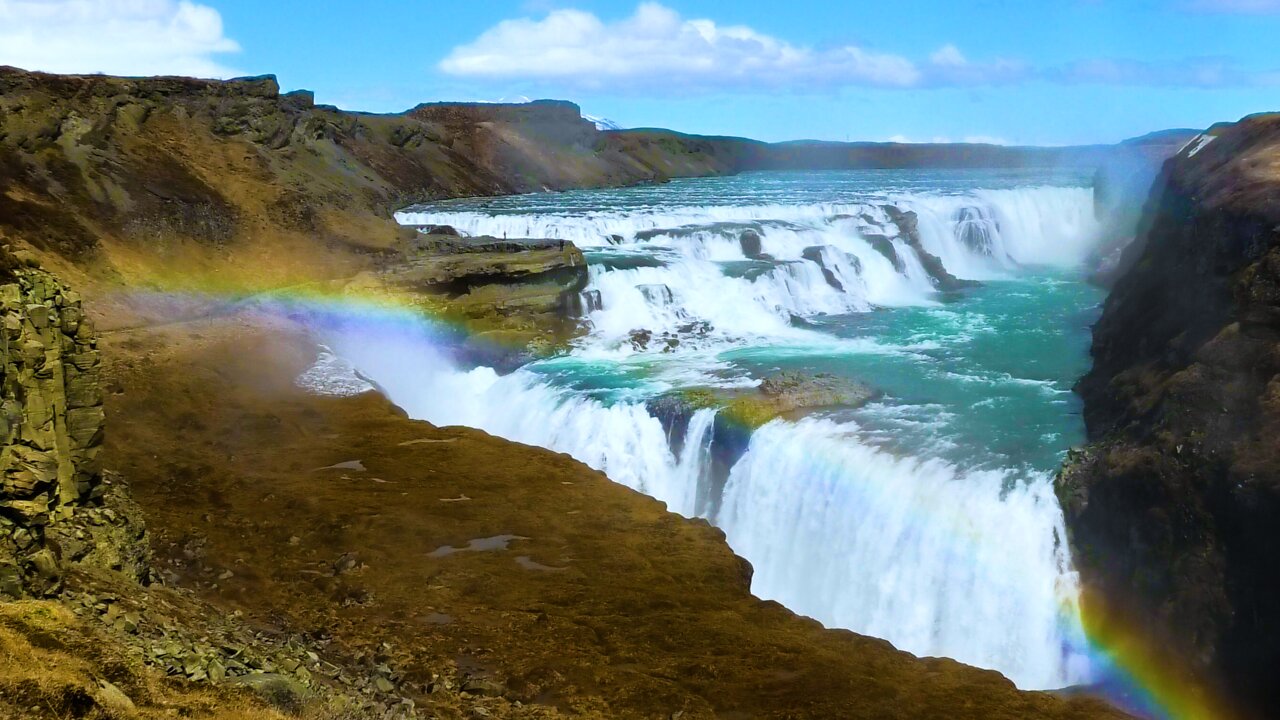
(939, 560)
(1025, 226)
(1032, 225)
(970, 565)
(804, 244)
(622, 439)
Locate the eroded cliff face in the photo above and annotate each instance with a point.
(130, 172)
(1174, 508)
(52, 487)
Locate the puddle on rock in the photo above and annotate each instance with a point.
(489, 544)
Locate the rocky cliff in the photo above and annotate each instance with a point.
(507, 301)
(1121, 185)
(51, 483)
(130, 174)
(1174, 506)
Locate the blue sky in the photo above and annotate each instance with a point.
(1031, 71)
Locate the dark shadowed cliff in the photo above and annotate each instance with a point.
(1174, 508)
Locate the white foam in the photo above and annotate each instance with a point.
(333, 376)
(970, 565)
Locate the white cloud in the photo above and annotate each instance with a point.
(118, 37)
(658, 51)
(657, 48)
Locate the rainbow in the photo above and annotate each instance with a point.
(1129, 671)
(1139, 676)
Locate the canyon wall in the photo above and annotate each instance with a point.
(1174, 505)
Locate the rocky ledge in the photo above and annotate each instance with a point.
(1174, 506)
(509, 300)
(741, 411)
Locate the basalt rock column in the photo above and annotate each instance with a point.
(51, 422)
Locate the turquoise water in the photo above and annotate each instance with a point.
(984, 381)
(926, 517)
(763, 188)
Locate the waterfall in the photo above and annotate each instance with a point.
(970, 565)
(939, 559)
(699, 252)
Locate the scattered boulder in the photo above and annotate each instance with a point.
(752, 244)
(114, 700)
(280, 691)
(448, 230)
(487, 687)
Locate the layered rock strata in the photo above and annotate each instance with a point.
(51, 420)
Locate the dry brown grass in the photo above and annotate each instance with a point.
(52, 665)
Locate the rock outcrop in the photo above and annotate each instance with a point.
(1173, 508)
(740, 412)
(909, 227)
(50, 434)
(508, 300)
